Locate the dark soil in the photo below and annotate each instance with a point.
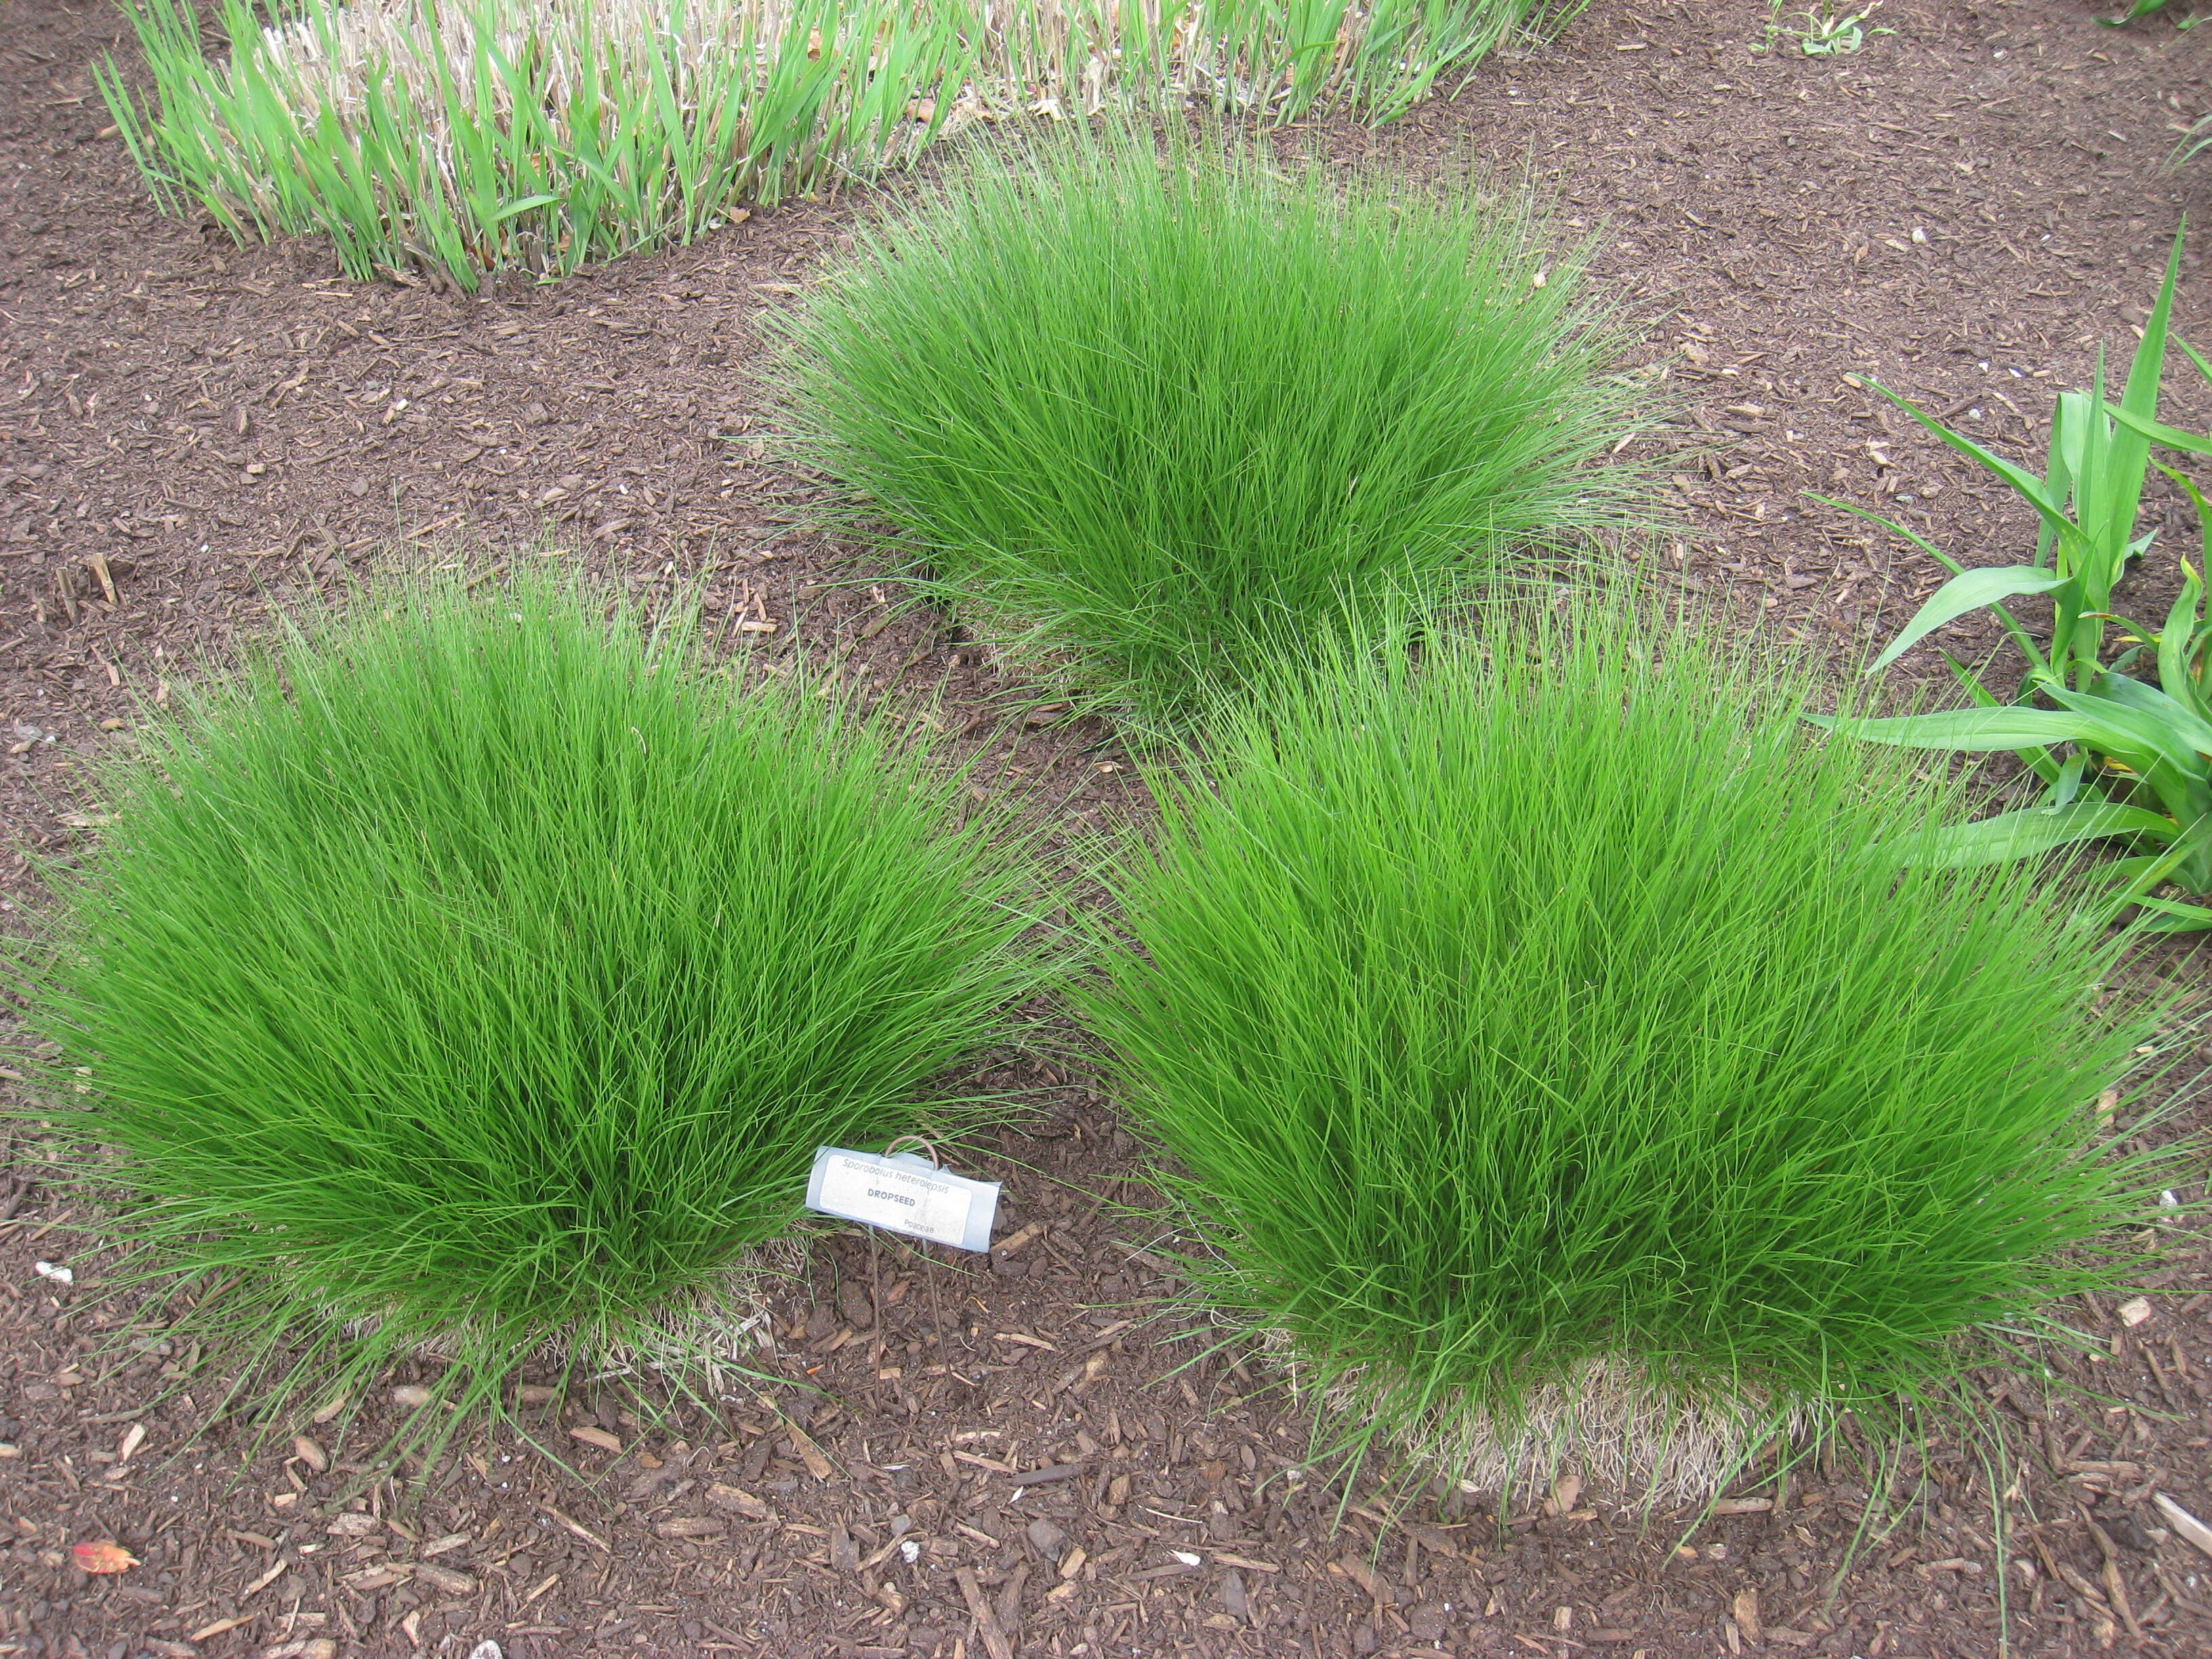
(1966, 209)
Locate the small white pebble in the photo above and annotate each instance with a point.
(910, 1551)
(59, 1276)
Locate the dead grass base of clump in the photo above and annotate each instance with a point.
(700, 1346)
(1610, 1422)
(1606, 1420)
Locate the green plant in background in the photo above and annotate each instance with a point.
(2118, 754)
(1539, 1049)
(467, 136)
(1147, 419)
(475, 977)
(1826, 31)
(2145, 8)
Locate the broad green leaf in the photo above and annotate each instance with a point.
(2031, 489)
(2128, 452)
(527, 204)
(1982, 730)
(2204, 365)
(2180, 717)
(2196, 499)
(2177, 640)
(2170, 916)
(2067, 784)
(2184, 847)
(2157, 432)
(2033, 829)
(1970, 591)
(2143, 721)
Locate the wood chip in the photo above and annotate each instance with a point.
(1050, 1472)
(986, 1616)
(310, 1452)
(2184, 1522)
(691, 1526)
(578, 1528)
(1743, 1506)
(1747, 1616)
(595, 1437)
(1361, 1574)
(444, 1580)
(379, 1576)
(738, 1501)
(809, 1453)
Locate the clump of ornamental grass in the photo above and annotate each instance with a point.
(1554, 1061)
(1150, 416)
(463, 137)
(474, 976)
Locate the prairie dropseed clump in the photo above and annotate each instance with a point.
(1551, 1053)
(1152, 417)
(474, 974)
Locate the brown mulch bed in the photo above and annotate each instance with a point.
(1965, 210)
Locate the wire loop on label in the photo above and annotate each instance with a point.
(928, 1151)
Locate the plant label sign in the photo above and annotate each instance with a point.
(906, 1194)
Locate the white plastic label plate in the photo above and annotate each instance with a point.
(906, 1194)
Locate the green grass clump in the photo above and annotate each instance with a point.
(477, 974)
(465, 137)
(1551, 1051)
(1154, 418)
